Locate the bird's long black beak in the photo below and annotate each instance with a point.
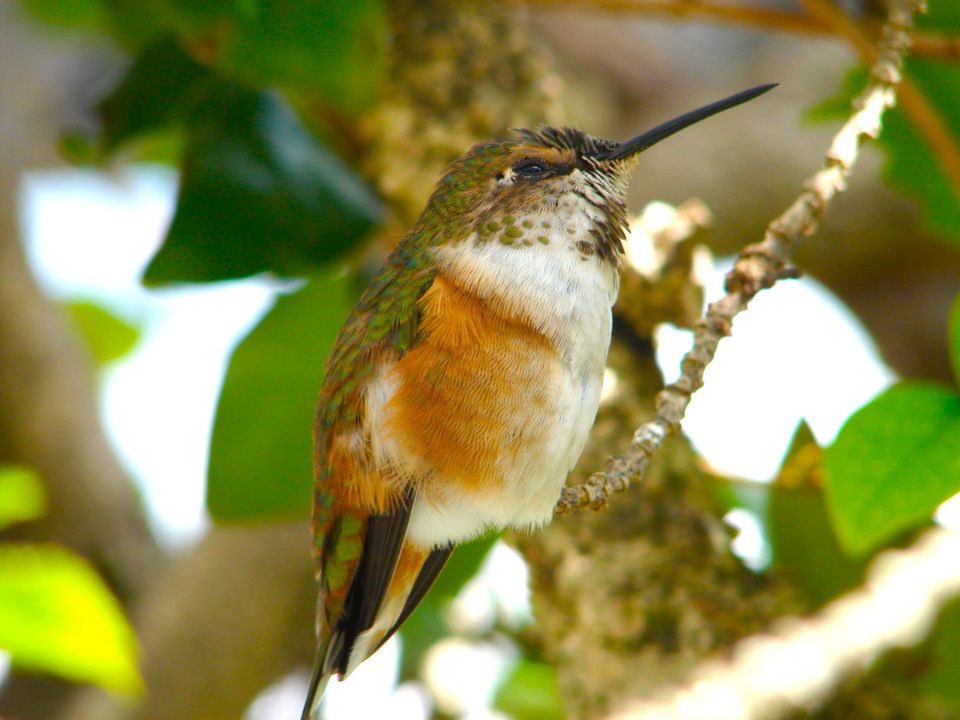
(665, 130)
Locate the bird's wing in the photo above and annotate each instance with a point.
(382, 543)
(359, 516)
(425, 578)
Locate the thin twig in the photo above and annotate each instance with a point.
(936, 45)
(800, 662)
(930, 44)
(759, 266)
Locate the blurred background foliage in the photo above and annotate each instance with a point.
(306, 134)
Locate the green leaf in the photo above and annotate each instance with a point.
(423, 629)
(942, 667)
(912, 166)
(83, 14)
(261, 451)
(940, 15)
(57, 616)
(426, 625)
(109, 337)
(462, 566)
(21, 495)
(137, 23)
(531, 693)
(805, 547)
(164, 85)
(838, 107)
(192, 17)
(794, 521)
(259, 193)
(803, 544)
(335, 50)
(953, 338)
(893, 463)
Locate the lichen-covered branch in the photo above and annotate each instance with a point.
(799, 664)
(759, 266)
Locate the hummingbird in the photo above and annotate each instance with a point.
(461, 388)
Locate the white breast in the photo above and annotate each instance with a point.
(568, 297)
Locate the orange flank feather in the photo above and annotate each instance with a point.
(359, 485)
(468, 395)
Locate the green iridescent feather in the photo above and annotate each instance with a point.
(383, 324)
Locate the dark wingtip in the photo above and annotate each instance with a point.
(318, 683)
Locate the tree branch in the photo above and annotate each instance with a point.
(759, 266)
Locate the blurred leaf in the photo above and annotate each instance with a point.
(21, 495)
(191, 16)
(423, 629)
(805, 547)
(261, 451)
(801, 462)
(335, 49)
(78, 148)
(912, 165)
(893, 463)
(943, 664)
(802, 542)
(85, 14)
(137, 23)
(746, 495)
(163, 85)
(57, 616)
(426, 625)
(108, 336)
(793, 519)
(723, 493)
(259, 193)
(462, 566)
(531, 693)
(940, 15)
(839, 106)
(953, 338)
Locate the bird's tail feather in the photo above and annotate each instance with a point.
(318, 683)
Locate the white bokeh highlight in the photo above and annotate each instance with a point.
(796, 353)
(90, 235)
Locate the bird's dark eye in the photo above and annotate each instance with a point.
(531, 168)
